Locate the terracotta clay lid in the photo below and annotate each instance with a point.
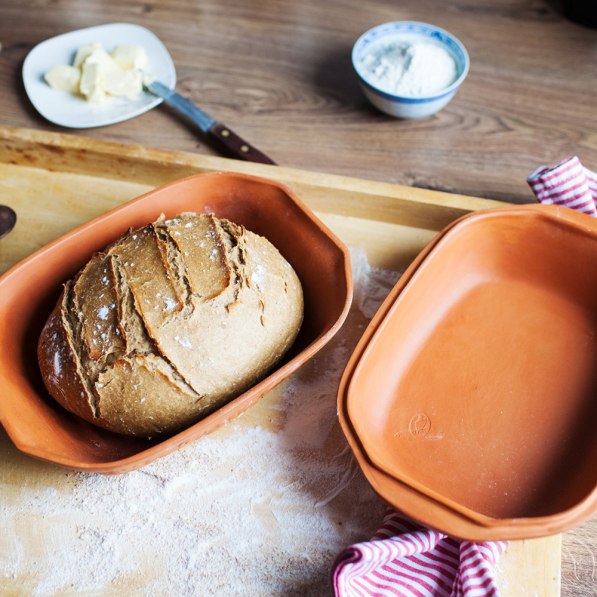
(471, 400)
(28, 292)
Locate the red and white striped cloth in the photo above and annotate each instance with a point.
(405, 560)
(568, 184)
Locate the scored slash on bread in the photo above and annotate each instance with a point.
(168, 324)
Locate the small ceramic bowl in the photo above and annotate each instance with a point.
(28, 292)
(401, 106)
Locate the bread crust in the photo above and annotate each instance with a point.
(170, 323)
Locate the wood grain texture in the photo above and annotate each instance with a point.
(279, 73)
(529, 99)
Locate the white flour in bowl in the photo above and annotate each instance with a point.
(408, 68)
(261, 507)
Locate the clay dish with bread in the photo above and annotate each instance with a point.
(244, 209)
(169, 323)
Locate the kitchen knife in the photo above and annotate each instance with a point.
(225, 140)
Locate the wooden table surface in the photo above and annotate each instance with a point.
(279, 73)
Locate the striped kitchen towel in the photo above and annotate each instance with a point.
(568, 184)
(406, 560)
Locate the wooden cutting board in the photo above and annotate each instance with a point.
(57, 182)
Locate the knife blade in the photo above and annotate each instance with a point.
(221, 136)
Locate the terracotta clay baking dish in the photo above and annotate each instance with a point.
(471, 400)
(28, 292)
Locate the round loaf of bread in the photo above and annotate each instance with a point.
(170, 323)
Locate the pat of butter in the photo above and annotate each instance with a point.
(104, 61)
(96, 73)
(92, 83)
(129, 57)
(64, 78)
(84, 51)
(123, 82)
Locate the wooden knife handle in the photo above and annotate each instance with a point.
(230, 144)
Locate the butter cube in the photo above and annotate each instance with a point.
(130, 57)
(84, 51)
(123, 82)
(64, 78)
(96, 73)
(92, 83)
(104, 61)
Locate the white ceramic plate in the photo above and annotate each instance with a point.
(72, 111)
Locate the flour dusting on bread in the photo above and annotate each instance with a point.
(169, 323)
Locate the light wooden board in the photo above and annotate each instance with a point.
(56, 182)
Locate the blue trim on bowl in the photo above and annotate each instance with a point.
(412, 27)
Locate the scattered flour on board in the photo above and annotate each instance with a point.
(249, 510)
(371, 285)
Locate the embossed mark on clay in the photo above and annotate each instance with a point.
(419, 425)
